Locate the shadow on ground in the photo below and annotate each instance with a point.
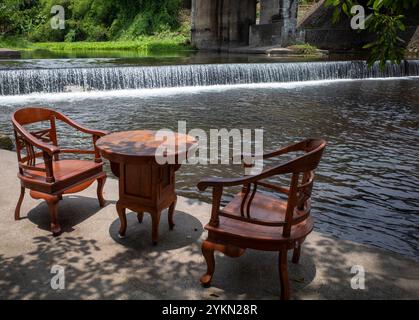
(187, 230)
(136, 274)
(68, 214)
(97, 270)
(99, 265)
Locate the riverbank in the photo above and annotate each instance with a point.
(99, 265)
(9, 53)
(145, 44)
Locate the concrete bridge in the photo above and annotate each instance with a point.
(229, 24)
(226, 24)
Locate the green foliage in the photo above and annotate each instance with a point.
(388, 45)
(305, 48)
(89, 20)
(143, 44)
(13, 42)
(18, 16)
(385, 20)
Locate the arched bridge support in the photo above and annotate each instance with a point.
(222, 24)
(226, 24)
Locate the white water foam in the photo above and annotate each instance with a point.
(57, 80)
(158, 92)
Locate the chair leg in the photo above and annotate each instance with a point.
(52, 202)
(171, 213)
(155, 221)
(19, 203)
(283, 275)
(100, 185)
(208, 253)
(123, 220)
(140, 217)
(296, 254)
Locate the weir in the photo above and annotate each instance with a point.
(26, 81)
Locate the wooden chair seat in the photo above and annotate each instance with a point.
(65, 170)
(263, 208)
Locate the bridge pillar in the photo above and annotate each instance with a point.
(278, 23)
(222, 24)
(269, 11)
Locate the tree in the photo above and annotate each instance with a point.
(17, 16)
(92, 20)
(385, 20)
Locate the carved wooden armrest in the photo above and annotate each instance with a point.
(38, 143)
(230, 182)
(220, 182)
(98, 133)
(274, 187)
(300, 146)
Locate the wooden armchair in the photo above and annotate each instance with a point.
(258, 221)
(52, 177)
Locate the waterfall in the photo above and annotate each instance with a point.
(25, 81)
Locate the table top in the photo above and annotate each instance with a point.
(142, 144)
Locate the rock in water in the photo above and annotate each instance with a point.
(5, 142)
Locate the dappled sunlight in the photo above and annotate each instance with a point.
(187, 230)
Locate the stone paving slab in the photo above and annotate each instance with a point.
(99, 265)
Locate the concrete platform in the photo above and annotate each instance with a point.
(275, 51)
(99, 265)
(9, 53)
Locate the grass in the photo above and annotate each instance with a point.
(144, 44)
(14, 43)
(306, 49)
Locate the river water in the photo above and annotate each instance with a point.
(367, 188)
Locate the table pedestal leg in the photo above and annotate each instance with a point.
(123, 219)
(140, 216)
(155, 220)
(171, 213)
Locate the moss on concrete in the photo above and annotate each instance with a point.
(5, 142)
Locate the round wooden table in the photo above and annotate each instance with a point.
(144, 184)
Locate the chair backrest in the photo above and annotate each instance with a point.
(299, 192)
(25, 146)
(302, 180)
(32, 115)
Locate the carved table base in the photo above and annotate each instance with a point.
(145, 187)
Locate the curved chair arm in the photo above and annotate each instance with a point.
(217, 192)
(230, 182)
(98, 133)
(48, 152)
(299, 146)
(45, 147)
(220, 182)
